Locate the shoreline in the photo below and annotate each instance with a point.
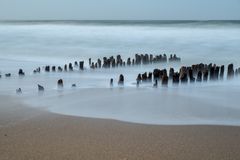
(37, 134)
(148, 106)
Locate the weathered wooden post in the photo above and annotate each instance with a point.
(81, 65)
(129, 62)
(121, 80)
(230, 72)
(165, 80)
(111, 82)
(150, 77)
(89, 61)
(65, 67)
(47, 68)
(205, 76)
(199, 76)
(133, 62)
(216, 73)
(171, 72)
(60, 69)
(113, 63)
(190, 72)
(151, 58)
(19, 91)
(40, 88)
(212, 71)
(183, 75)
(99, 63)
(222, 72)
(156, 74)
(53, 68)
(144, 77)
(37, 70)
(70, 67)
(60, 83)
(155, 84)
(139, 77)
(21, 73)
(92, 66)
(76, 64)
(175, 78)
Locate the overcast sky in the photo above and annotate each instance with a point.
(120, 9)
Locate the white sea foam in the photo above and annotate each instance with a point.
(28, 46)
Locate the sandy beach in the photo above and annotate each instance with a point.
(29, 133)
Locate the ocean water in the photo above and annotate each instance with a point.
(30, 44)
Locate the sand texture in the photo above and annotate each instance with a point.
(32, 134)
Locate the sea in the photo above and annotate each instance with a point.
(31, 44)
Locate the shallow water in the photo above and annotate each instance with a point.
(28, 45)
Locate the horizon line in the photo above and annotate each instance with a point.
(119, 20)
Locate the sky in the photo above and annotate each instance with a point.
(119, 9)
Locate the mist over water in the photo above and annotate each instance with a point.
(69, 41)
(28, 45)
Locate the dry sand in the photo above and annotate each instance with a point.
(28, 133)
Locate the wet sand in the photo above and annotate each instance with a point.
(28, 133)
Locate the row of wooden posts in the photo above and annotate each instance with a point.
(111, 62)
(195, 73)
(202, 72)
